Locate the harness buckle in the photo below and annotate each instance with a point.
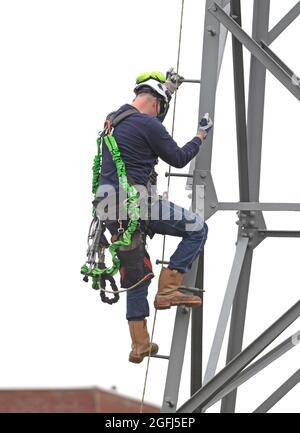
(121, 228)
(108, 126)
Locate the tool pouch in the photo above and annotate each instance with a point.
(135, 264)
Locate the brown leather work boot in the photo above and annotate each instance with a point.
(168, 295)
(140, 341)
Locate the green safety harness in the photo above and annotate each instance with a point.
(94, 266)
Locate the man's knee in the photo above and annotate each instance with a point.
(202, 232)
(197, 227)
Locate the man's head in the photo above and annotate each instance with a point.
(152, 92)
(147, 102)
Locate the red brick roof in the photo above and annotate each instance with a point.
(69, 401)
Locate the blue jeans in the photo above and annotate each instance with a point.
(172, 220)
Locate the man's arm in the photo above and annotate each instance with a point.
(167, 149)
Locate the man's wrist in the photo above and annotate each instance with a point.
(201, 134)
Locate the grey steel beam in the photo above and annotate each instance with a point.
(256, 99)
(209, 81)
(257, 206)
(225, 3)
(204, 189)
(240, 105)
(167, 174)
(176, 360)
(191, 81)
(256, 50)
(197, 332)
(256, 367)
(278, 60)
(279, 233)
(212, 388)
(279, 393)
(284, 23)
(226, 308)
(212, 54)
(237, 324)
(223, 40)
(261, 12)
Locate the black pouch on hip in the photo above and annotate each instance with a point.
(135, 263)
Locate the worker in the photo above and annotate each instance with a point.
(142, 139)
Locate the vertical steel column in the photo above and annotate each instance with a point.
(212, 55)
(214, 43)
(197, 333)
(241, 130)
(256, 101)
(240, 105)
(176, 359)
(254, 135)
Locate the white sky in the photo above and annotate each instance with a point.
(64, 65)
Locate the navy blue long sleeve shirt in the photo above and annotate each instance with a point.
(142, 139)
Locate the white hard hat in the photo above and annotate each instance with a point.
(159, 90)
(155, 85)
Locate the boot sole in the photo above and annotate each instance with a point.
(138, 360)
(176, 304)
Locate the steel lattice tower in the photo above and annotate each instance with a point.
(221, 17)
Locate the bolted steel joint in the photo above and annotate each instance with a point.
(170, 403)
(184, 310)
(211, 31)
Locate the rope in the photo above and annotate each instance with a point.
(148, 363)
(144, 279)
(174, 113)
(168, 189)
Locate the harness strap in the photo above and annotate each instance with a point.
(115, 118)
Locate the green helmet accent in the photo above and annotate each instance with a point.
(156, 75)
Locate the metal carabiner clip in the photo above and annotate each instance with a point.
(121, 228)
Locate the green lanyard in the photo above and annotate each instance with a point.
(132, 207)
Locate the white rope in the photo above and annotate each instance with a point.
(168, 189)
(145, 278)
(148, 363)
